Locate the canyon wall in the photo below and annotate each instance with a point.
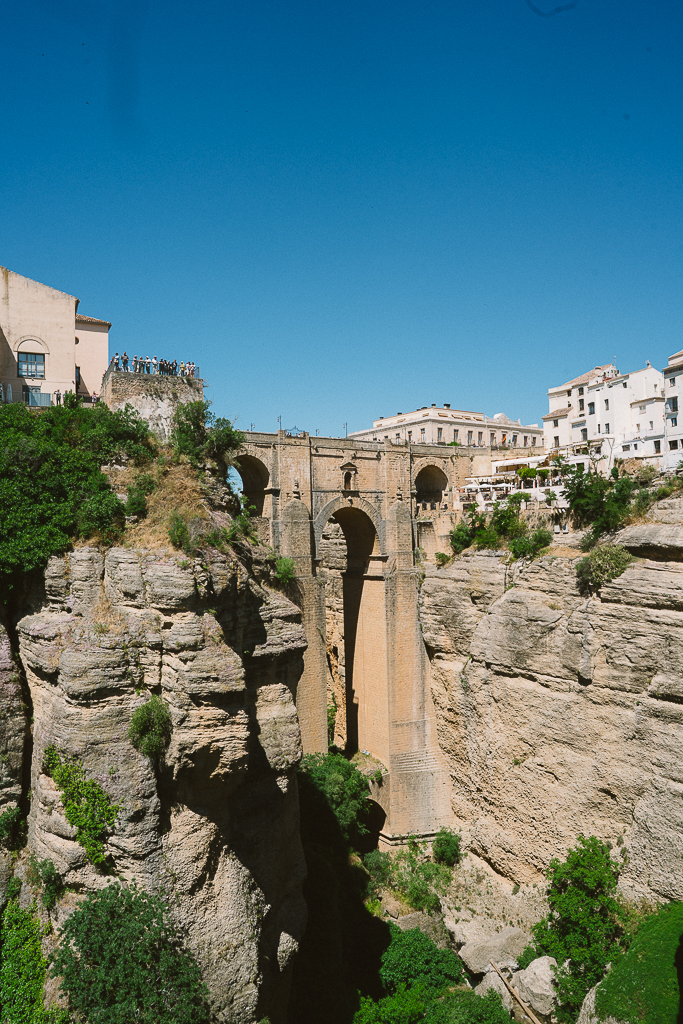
(562, 714)
(215, 828)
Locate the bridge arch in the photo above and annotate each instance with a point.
(430, 484)
(358, 504)
(255, 479)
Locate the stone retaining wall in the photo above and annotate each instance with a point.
(155, 397)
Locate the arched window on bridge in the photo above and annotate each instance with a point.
(347, 481)
(255, 479)
(430, 485)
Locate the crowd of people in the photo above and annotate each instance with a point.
(162, 367)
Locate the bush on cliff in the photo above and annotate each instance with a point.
(597, 501)
(643, 987)
(198, 434)
(585, 930)
(121, 960)
(150, 728)
(86, 805)
(604, 563)
(22, 970)
(345, 790)
(51, 487)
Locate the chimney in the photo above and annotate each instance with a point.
(433, 405)
(446, 405)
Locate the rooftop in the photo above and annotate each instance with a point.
(92, 320)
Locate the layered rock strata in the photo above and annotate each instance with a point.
(215, 826)
(562, 714)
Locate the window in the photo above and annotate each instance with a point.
(638, 427)
(673, 445)
(624, 385)
(556, 440)
(78, 376)
(598, 428)
(439, 433)
(606, 404)
(347, 481)
(31, 364)
(469, 437)
(584, 434)
(607, 428)
(673, 404)
(635, 447)
(556, 423)
(410, 436)
(514, 440)
(492, 438)
(651, 425)
(422, 435)
(455, 435)
(658, 447)
(641, 408)
(398, 438)
(526, 440)
(533, 442)
(580, 391)
(480, 437)
(674, 421)
(672, 381)
(591, 408)
(626, 448)
(581, 405)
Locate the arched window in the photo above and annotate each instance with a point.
(347, 481)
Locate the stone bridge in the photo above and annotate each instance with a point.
(346, 512)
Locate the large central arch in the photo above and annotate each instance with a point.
(356, 588)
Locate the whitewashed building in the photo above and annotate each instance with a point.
(673, 391)
(607, 415)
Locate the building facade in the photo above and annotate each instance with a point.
(607, 414)
(46, 346)
(673, 409)
(443, 425)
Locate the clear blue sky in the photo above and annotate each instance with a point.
(340, 210)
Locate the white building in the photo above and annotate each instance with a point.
(673, 397)
(609, 414)
(443, 425)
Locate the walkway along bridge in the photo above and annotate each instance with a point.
(346, 512)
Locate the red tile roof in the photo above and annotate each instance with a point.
(92, 320)
(585, 377)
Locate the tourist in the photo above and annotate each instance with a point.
(124, 362)
(148, 363)
(115, 360)
(174, 367)
(58, 397)
(182, 369)
(94, 398)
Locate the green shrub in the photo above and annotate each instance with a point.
(413, 959)
(198, 434)
(178, 533)
(585, 928)
(285, 570)
(136, 504)
(460, 538)
(505, 517)
(442, 558)
(13, 888)
(379, 866)
(22, 967)
(150, 728)
(530, 547)
(467, 1008)
(446, 847)
(45, 874)
(642, 987)
(528, 955)
(12, 828)
(331, 720)
(606, 562)
(344, 789)
(596, 500)
(420, 881)
(121, 960)
(487, 538)
(550, 496)
(86, 806)
(51, 486)
(405, 1006)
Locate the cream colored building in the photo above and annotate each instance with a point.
(443, 425)
(45, 344)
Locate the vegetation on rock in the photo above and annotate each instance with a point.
(604, 563)
(150, 728)
(584, 930)
(120, 960)
(52, 489)
(22, 970)
(642, 987)
(505, 527)
(86, 806)
(197, 433)
(332, 779)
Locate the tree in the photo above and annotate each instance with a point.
(121, 960)
(198, 434)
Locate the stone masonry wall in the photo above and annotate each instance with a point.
(155, 397)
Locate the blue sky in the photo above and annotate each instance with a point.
(342, 210)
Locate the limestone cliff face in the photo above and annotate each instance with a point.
(562, 714)
(216, 827)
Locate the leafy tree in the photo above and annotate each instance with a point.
(150, 728)
(344, 789)
(604, 563)
(12, 828)
(22, 970)
(505, 517)
(597, 501)
(198, 434)
(463, 1007)
(405, 1006)
(51, 487)
(585, 928)
(460, 537)
(413, 959)
(121, 960)
(529, 547)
